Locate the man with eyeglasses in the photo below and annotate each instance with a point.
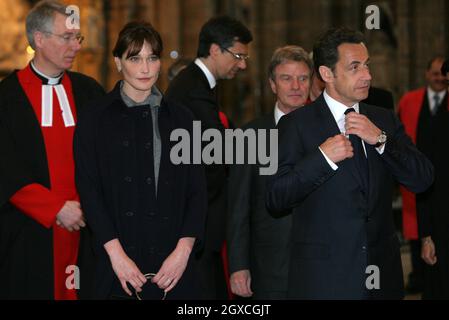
(222, 53)
(40, 213)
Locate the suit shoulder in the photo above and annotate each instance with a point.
(414, 94)
(181, 113)
(303, 112)
(264, 121)
(10, 81)
(187, 80)
(80, 77)
(96, 106)
(84, 81)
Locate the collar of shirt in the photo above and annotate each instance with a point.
(153, 100)
(210, 77)
(338, 110)
(278, 114)
(46, 79)
(431, 94)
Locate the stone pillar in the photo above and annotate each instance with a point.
(13, 44)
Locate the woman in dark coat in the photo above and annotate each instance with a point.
(146, 214)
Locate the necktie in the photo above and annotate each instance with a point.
(360, 159)
(436, 103)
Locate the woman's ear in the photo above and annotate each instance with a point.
(118, 63)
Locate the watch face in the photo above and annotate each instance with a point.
(383, 138)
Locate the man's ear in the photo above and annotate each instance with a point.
(214, 50)
(273, 86)
(38, 38)
(326, 74)
(118, 63)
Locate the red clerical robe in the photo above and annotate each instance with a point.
(409, 111)
(43, 204)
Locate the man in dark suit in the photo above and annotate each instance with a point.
(258, 243)
(380, 97)
(222, 53)
(344, 244)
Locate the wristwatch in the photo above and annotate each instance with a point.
(381, 139)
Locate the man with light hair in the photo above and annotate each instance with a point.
(258, 244)
(40, 214)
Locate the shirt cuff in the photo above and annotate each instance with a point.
(329, 161)
(381, 149)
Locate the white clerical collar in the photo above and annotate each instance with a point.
(50, 80)
(210, 77)
(337, 108)
(278, 114)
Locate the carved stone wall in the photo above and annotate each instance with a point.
(411, 33)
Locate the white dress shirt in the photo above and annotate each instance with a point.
(278, 114)
(210, 77)
(431, 98)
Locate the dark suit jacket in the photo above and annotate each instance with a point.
(380, 97)
(191, 89)
(256, 240)
(26, 247)
(338, 228)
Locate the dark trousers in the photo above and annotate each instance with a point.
(211, 275)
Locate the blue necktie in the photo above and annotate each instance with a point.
(360, 159)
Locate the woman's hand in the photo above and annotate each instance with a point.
(174, 266)
(124, 268)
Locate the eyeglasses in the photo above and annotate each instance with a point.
(150, 276)
(238, 56)
(68, 37)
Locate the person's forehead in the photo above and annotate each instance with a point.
(146, 49)
(349, 52)
(436, 65)
(290, 65)
(240, 47)
(61, 22)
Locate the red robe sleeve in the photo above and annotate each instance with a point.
(39, 203)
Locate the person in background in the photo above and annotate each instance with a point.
(258, 244)
(222, 53)
(41, 220)
(424, 113)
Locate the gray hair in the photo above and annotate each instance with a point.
(288, 53)
(41, 18)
